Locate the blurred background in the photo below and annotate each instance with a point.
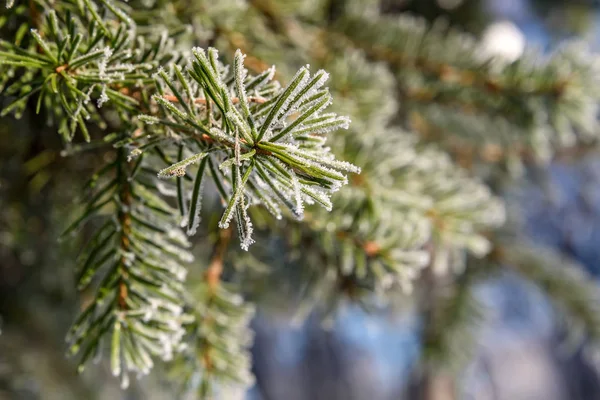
(520, 354)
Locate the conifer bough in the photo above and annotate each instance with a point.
(183, 128)
(260, 152)
(257, 141)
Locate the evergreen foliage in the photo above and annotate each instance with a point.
(435, 128)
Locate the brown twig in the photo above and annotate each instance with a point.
(125, 222)
(213, 277)
(215, 268)
(35, 14)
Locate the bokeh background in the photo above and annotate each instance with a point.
(520, 354)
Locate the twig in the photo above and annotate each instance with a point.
(125, 222)
(215, 268)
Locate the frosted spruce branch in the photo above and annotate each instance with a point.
(264, 148)
(75, 71)
(200, 124)
(89, 69)
(382, 235)
(537, 103)
(135, 263)
(220, 337)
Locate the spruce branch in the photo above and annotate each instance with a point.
(381, 237)
(463, 71)
(255, 138)
(185, 123)
(138, 275)
(70, 67)
(536, 103)
(261, 147)
(217, 354)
